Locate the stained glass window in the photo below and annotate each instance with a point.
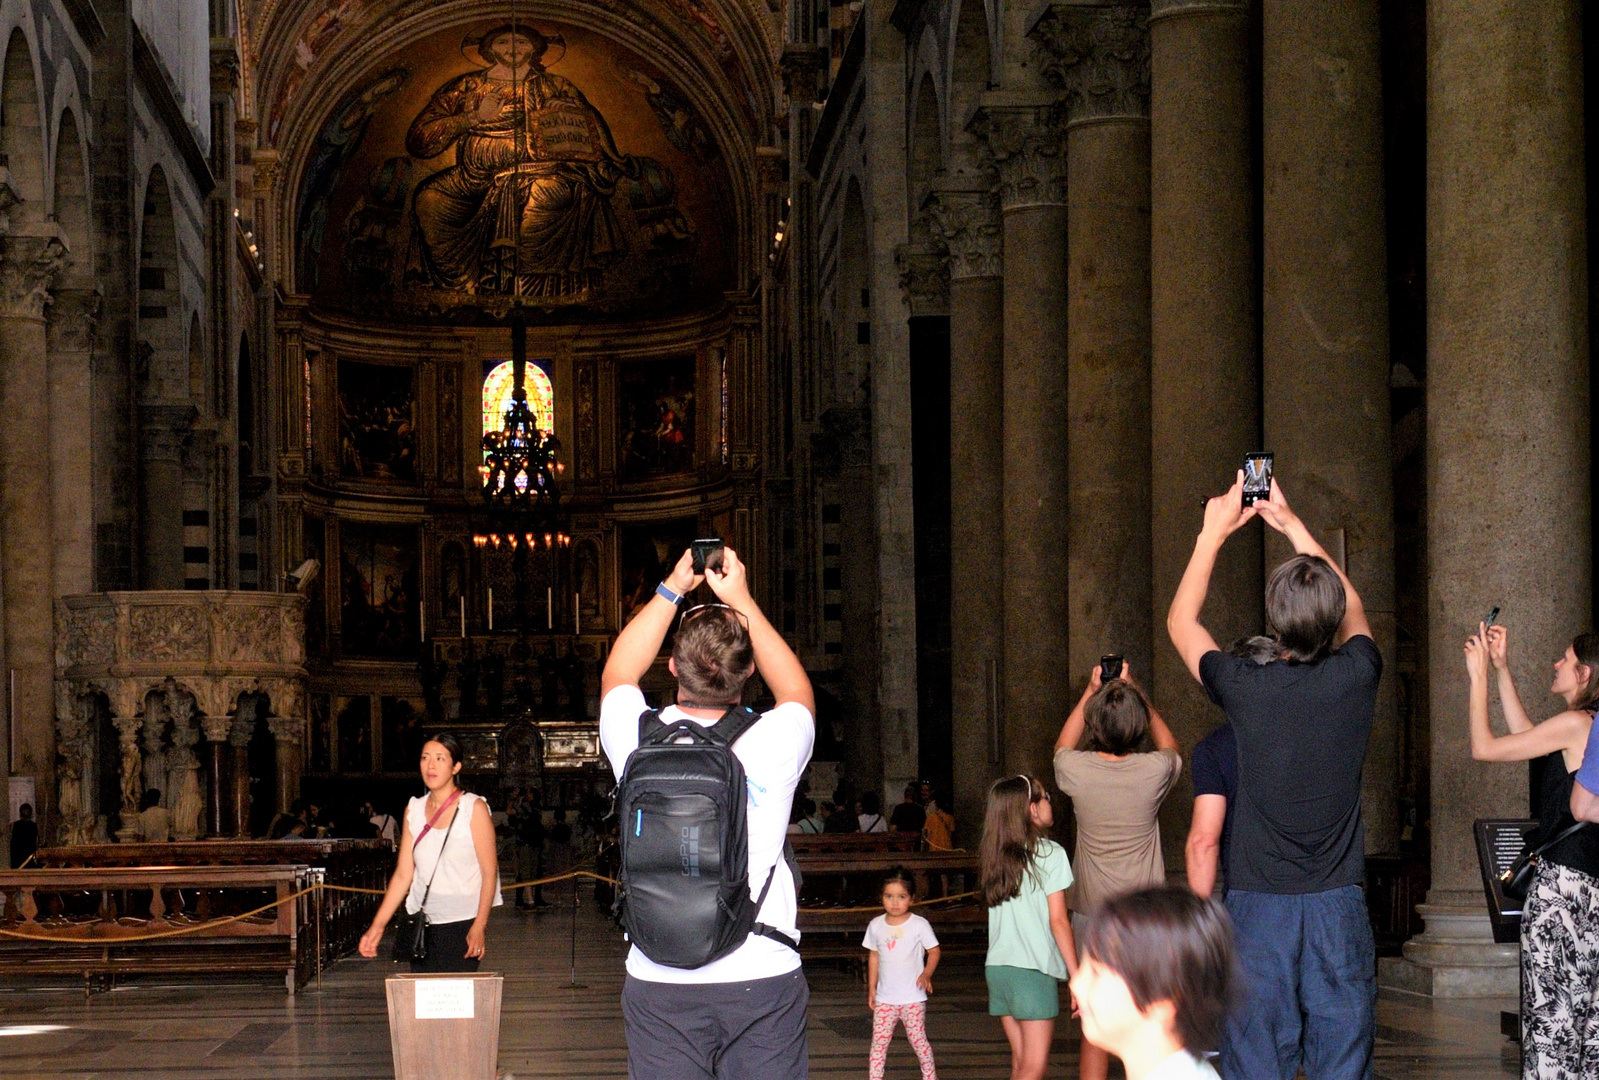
(498, 386)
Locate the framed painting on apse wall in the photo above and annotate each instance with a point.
(377, 427)
(378, 592)
(656, 425)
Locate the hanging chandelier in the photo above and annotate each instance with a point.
(520, 468)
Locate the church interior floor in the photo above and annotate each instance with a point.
(339, 1029)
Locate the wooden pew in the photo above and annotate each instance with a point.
(835, 884)
(87, 916)
(843, 843)
(344, 916)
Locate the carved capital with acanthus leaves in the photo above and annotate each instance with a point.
(923, 278)
(73, 318)
(967, 223)
(29, 264)
(1027, 146)
(1098, 56)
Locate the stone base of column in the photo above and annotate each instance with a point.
(1456, 957)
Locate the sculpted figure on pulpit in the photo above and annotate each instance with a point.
(529, 195)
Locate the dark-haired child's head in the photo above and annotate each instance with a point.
(899, 889)
(1259, 649)
(1156, 960)
(1116, 719)
(1305, 604)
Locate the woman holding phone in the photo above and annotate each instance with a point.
(447, 868)
(1559, 946)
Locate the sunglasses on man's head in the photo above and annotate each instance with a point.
(700, 609)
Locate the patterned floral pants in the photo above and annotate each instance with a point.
(884, 1017)
(1560, 976)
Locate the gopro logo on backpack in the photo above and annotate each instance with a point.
(689, 850)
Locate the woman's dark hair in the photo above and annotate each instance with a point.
(900, 876)
(151, 797)
(1009, 838)
(1116, 719)
(1169, 945)
(870, 803)
(1305, 603)
(451, 744)
(713, 656)
(1586, 649)
(1258, 649)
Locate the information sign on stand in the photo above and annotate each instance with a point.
(445, 1027)
(1500, 843)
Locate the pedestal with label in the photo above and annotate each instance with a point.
(445, 1027)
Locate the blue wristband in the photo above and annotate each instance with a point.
(667, 594)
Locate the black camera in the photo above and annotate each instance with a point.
(707, 552)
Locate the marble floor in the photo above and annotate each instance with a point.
(338, 1028)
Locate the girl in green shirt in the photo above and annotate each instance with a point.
(1030, 949)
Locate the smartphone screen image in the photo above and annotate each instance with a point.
(1257, 477)
(707, 551)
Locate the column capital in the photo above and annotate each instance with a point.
(1098, 55)
(286, 728)
(74, 317)
(29, 264)
(968, 225)
(923, 278)
(1024, 141)
(216, 728)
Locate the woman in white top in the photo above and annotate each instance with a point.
(446, 841)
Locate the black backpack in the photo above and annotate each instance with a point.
(685, 897)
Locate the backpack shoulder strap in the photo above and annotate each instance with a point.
(734, 723)
(650, 727)
(765, 930)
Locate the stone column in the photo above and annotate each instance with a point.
(163, 431)
(968, 223)
(29, 263)
(156, 723)
(288, 734)
(183, 775)
(1325, 322)
(70, 330)
(1204, 392)
(1507, 421)
(131, 775)
(1098, 55)
(239, 741)
(1024, 140)
(216, 784)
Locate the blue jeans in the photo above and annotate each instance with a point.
(1310, 987)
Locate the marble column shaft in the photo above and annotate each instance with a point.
(968, 223)
(1507, 390)
(30, 258)
(216, 790)
(1204, 392)
(1325, 323)
(288, 734)
(239, 789)
(1099, 57)
(71, 322)
(1025, 142)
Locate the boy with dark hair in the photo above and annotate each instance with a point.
(1154, 981)
(1296, 860)
(742, 1015)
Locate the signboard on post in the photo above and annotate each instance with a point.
(445, 1027)
(1500, 842)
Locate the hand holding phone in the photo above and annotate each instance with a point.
(707, 552)
(1257, 477)
(1110, 667)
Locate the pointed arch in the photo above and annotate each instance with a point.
(925, 152)
(22, 131)
(160, 333)
(970, 74)
(852, 300)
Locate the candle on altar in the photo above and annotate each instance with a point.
(491, 609)
(549, 606)
(422, 621)
(577, 613)
(463, 616)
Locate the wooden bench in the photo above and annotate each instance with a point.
(843, 843)
(361, 864)
(82, 921)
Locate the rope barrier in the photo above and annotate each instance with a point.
(212, 924)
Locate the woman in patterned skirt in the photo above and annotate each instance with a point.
(1560, 919)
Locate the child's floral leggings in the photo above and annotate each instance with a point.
(884, 1017)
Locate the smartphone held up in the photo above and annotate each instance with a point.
(1110, 667)
(1257, 477)
(706, 552)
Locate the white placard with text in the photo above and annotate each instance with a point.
(444, 999)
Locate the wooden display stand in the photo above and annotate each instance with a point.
(445, 1027)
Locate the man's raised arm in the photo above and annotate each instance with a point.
(639, 643)
(1224, 515)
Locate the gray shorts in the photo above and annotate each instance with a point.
(718, 1031)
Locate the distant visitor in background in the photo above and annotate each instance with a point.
(909, 816)
(938, 833)
(804, 817)
(842, 819)
(384, 824)
(24, 836)
(155, 820)
(869, 813)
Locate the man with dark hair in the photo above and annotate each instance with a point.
(1296, 860)
(909, 816)
(24, 836)
(742, 1015)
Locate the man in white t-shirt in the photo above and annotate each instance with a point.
(744, 1014)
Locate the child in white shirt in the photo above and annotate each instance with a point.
(1154, 981)
(899, 974)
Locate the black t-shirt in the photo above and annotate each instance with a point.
(24, 841)
(1580, 850)
(1301, 731)
(907, 817)
(1214, 770)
